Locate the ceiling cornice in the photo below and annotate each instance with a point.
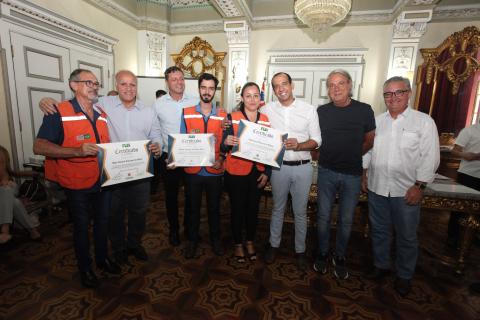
(239, 9)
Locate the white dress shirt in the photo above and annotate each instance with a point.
(469, 140)
(405, 150)
(169, 113)
(299, 120)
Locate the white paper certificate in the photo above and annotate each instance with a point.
(124, 161)
(260, 144)
(191, 150)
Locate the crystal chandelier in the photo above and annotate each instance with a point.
(320, 14)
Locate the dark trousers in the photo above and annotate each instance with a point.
(172, 180)
(453, 223)
(212, 185)
(244, 200)
(133, 197)
(84, 205)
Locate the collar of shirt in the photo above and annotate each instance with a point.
(77, 108)
(293, 105)
(212, 113)
(137, 105)
(405, 114)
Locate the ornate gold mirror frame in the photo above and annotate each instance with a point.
(462, 48)
(197, 57)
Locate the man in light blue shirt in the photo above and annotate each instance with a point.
(169, 111)
(128, 120)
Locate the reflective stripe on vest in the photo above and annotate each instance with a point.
(195, 123)
(239, 166)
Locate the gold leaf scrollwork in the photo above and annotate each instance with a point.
(462, 46)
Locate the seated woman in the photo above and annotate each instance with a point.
(244, 179)
(11, 208)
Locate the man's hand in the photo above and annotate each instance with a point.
(218, 164)
(155, 149)
(365, 181)
(471, 156)
(231, 140)
(414, 195)
(262, 181)
(291, 144)
(88, 150)
(48, 106)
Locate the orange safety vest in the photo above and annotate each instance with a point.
(239, 166)
(195, 124)
(82, 172)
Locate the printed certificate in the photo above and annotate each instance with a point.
(260, 144)
(191, 150)
(124, 161)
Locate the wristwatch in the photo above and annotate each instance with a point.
(421, 185)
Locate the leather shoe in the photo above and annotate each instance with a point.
(89, 279)
(138, 252)
(402, 286)
(301, 261)
(217, 248)
(377, 274)
(270, 255)
(109, 266)
(191, 250)
(120, 257)
(174, 239)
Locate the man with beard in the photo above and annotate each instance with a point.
(204, 118)
(128, 120)
(169, 112)
(68, 139)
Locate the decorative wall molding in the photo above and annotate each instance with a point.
(29, 15)
(229, 8)
(204, 26)
(317, 56)
(237, 32)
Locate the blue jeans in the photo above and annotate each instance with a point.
(84, 205)
(383, 213)
(329, 183)
(133, 197)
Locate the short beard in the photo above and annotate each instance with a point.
(206, 100)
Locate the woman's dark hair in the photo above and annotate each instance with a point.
(241, 105)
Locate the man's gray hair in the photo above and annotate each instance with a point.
(121, 72)
(406, 81)
(343, 73)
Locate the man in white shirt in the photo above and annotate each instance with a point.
(300, 121)
(169, 112)
(467, 148)
(404, 158)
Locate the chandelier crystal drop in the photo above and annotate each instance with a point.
(320, 14)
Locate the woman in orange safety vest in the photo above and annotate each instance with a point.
(244, 179)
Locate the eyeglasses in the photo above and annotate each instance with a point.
(90, 83)
(397, 93)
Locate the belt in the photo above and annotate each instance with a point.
(295, 163)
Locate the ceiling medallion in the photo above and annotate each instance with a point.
(320, 14)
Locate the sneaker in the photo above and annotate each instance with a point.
(339, 268)
(301, 261)
(402, 286)
(270, 255)
(321, 264)
(139, 253)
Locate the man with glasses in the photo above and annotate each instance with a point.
(403, 160)
(68, 141)
(128, 120)
(348, 130)
(169, 111)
